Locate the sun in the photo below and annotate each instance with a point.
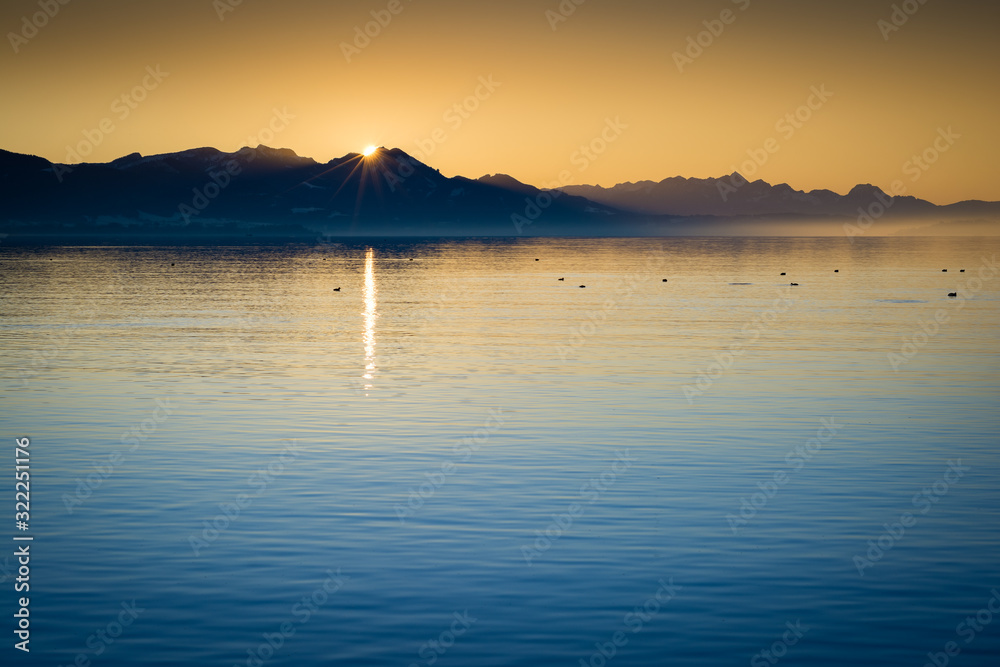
(369, 150)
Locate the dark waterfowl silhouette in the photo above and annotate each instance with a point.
(962, 271)
(782, 274)
(582, 286)
(795, 284)
(336, 289)
(836, 270)
(944, 270)
(664, 280)
(952, 293)
(562, 279)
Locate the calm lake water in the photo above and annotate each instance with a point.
(459, 459)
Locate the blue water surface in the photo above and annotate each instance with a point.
(670, 457)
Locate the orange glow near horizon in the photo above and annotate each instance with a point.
(518, 88)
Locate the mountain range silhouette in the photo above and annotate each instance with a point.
(264, 193)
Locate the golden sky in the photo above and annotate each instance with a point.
(521, 87)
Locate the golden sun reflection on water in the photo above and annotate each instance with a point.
(371, 314)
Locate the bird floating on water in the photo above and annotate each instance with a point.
(336, 289)
(795, 284)
(952, 293)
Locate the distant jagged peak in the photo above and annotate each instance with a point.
(507, 182)
(396, 154)
(866, 190)
(204, 152)
(280, 155)
(498, 178)
(126, 160)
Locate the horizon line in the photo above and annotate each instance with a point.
(353, 154)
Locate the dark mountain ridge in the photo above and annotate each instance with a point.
(733, 195)
(266, 192)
